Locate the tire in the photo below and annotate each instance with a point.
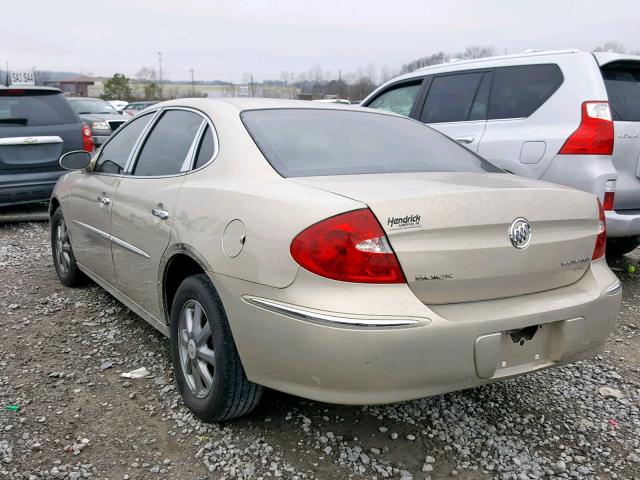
(617, 247)
(229, 394)
(63, 259)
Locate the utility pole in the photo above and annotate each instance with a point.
(193, 85)
(251, 85)
(339, 83)
(159, 67)
(293, 85)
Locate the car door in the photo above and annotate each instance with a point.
(143, 209)
(456, 105)
(89, 209)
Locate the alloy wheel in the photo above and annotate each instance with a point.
(195, 349)
(63, 247)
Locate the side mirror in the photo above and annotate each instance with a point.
(75, 160)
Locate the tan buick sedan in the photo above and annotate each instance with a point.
(332, 252)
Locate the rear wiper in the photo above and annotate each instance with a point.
(21, 121)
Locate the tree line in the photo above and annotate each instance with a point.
(316, 82)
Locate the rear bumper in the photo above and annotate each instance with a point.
(27, 187)
(623, 223)
(450, 347)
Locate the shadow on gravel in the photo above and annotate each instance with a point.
(35, 212)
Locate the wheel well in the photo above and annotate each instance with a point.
(53, 206)
(180, 267)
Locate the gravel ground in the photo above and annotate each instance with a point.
(65, 412)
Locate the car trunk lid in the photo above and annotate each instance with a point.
(451, 231)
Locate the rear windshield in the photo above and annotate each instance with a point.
(622, 80)
(34, 108)
(84, 107)
(308, 142)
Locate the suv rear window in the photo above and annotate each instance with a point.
(622, 80)
(310, 142)
(451, 97)
(520, 90)
(34, 108)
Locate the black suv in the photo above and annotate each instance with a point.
(37, 125)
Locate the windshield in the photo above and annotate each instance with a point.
(34, 108)
(308, 142)
(84, 107)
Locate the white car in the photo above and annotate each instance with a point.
(119, 105)
(567, 117)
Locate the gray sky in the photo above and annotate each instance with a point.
(223, 39)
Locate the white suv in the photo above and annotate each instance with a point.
(567, 117)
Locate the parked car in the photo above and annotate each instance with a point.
(118, 105)
(136, 107)
(331, 252)
(567, 117)
(99, 116)
(37, 125)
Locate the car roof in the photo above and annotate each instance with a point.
(30, 88)
(608, 57)
(484, 62)
(258, 103)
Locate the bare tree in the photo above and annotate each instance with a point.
(611, 46)
(477, 51)
(146, 75)
(433, 59)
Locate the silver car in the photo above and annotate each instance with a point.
(567, 117)
(331, 252)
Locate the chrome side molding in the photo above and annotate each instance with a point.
(333, 319)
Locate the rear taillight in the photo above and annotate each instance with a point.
(601, 238)
(609, 195)
(594, 136)
(351, 247)
(87, 141)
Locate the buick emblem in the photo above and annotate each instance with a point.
(520, 233)
(30, 140)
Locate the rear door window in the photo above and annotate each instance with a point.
(166, 147)
(206, 149)
(451, 98)
(519, 91)
(622, 80)
(398, 99)
(114, 155)
(34, 108)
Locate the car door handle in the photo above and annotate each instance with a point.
(467, 139)
(160, 213)
(104, 200)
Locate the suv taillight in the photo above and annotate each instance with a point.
(351, 247)
(87, 141)
(601, 238)
(609, 195)
(594, 136)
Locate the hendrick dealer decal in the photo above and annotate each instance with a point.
(401, 223)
